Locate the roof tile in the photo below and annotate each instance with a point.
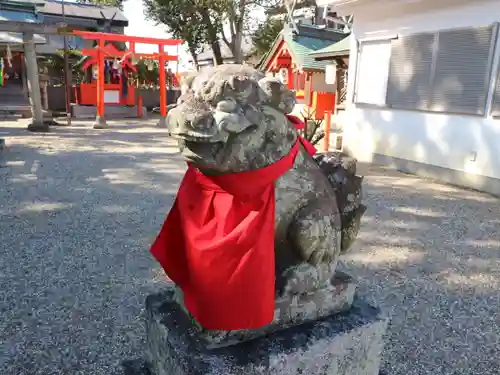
(336, 49)
(310, 39)
(82, 10)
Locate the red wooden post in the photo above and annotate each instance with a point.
(163, 86)
(291, 78)
(311, 92)
(139, 106)
(328, 124)
(75, 91)
(100, 120)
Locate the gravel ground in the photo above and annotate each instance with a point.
(78, 211)
(79, 208)
(428, 255)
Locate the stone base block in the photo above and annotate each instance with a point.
(38, 127)
(162, 123)
(111, 111)
(348, 343)
(292, 309)
(100, 123)
(139, 366)
(11, 112)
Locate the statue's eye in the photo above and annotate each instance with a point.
(227, 105)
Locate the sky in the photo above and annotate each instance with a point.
(138, 26)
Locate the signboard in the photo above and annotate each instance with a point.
(284, 75)
(65, 30)
(111, 96)
(331, 74)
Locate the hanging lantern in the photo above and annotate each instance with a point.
(284, 75)
(116, 64)
(1, 72)
(95, 71)
(150, 65)
(8, 56)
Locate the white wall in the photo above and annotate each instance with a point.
(465, 143)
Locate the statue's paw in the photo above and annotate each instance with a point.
(315, 232)
(351, 224)
(321, 256)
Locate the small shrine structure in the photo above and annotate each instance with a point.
(106, 57)
(336, 54)
(117, 88)
(290, 59)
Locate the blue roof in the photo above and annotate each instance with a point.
(12, 15)
(19, 16)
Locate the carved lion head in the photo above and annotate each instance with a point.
(231, 118)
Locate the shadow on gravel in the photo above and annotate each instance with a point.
(428, 255)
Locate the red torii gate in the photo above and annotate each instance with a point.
(161, 56)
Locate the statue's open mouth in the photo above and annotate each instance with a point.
(198, 150)
(194, 137)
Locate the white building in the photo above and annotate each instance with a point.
(423, 89)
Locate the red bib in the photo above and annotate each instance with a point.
(217, 245)
(300, 125)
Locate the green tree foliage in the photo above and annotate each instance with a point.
(237, 17)
(195, 21)
(113, 3)
(147, 72)
(55, 64)
(265, 34)
(211, 22)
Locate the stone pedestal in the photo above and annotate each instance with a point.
(33, 84)
(344, 343)
(113, 111)
(100, 123)
(162, 123)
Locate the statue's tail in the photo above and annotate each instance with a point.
(341, 172)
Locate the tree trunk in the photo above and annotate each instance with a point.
(237, 52)
(213, 39)
(218, 60)
(238, 33)
(194, 55)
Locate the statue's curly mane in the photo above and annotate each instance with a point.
(229, 81)
(242, 109)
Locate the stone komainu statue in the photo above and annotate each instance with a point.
(231, 123)
(252, 242)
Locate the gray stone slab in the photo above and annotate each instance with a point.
(110, 111)
(348, 343)
(140, 366)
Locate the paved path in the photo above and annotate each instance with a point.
(79, 208)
